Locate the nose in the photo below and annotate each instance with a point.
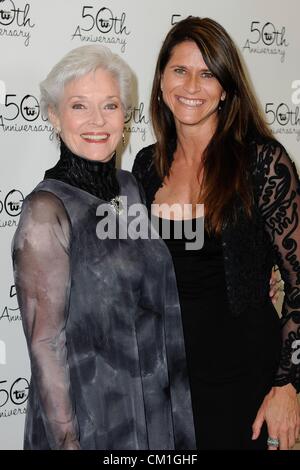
(97, 116)
(192, 83)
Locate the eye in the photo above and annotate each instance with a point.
(207, 74)
(77, 106)
(179, 70)
(111, 106)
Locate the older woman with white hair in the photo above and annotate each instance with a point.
(100, 314)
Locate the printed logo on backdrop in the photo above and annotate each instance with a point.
(10, 207)
(2, 352)
(296, 94)
(13, 392)
(10, 313)
(102, 25)
(136, 122)
(175, 18)
(2, 92)
(283, 118)
(13, 397)
(266, 39)
(15, 22)
(21, 113)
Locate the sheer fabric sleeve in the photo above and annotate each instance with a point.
(42, 278)
(279, 202)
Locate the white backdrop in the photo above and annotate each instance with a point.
(34, 35)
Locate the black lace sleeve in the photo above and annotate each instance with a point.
(279, 202)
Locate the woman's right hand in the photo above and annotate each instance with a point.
(73, 446)
(275, 286)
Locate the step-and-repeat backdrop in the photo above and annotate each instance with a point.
(34, 35)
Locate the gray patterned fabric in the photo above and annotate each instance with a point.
(103, 327)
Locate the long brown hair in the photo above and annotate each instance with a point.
(240, 119)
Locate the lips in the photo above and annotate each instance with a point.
(95, 138)
(191, 102)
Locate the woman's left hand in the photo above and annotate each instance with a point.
(281, 411)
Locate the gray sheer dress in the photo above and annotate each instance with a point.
(103, 327)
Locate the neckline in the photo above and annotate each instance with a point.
(176, 220)
(90, 165)
(64, 183)
(96, 178)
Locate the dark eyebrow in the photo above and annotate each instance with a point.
(185, 66)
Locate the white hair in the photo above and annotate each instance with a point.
(79, 62)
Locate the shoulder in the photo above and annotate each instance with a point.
(266, 153)
(146, 152)
(128, 182)
(42, 208)
(43, 203)
(126, 178)
(42, 220)
(43, 217)
(273, 168)
(144, 159)
(267, 147)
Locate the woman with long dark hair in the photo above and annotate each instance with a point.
(214, 148)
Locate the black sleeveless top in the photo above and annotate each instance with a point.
(205, 310)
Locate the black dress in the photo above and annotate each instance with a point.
(237, 346)
(218, 348)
